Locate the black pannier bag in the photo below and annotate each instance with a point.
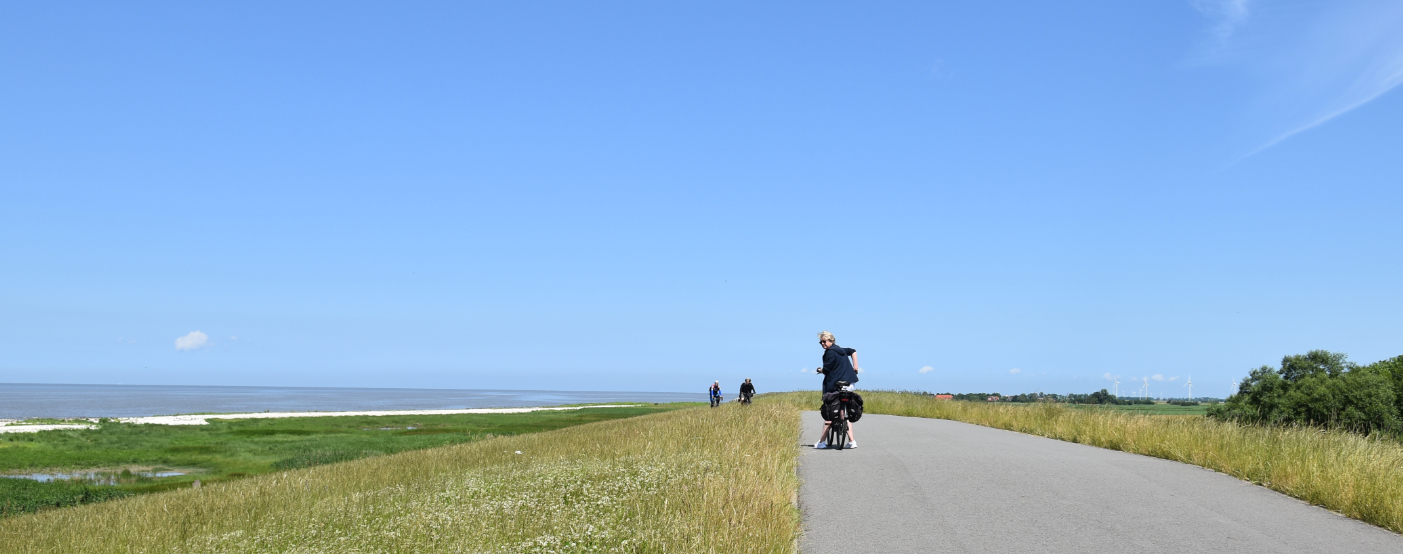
(855, 407)
(832, 400)
(828, 410)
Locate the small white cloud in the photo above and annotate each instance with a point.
(192, 341)
(927, 369)
(1174, 378)
(1015, 371)
(805, 370)
(1157, 377)
(1108, 377)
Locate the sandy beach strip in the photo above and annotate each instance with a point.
(203, 419)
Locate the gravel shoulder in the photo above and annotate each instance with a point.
(930, 485)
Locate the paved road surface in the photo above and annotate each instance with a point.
(929, 485)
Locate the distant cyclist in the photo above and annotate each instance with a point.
(715, 394)
(839, 364)
(747, 390)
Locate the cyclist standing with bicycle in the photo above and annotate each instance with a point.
(715, 393)
(839, 364)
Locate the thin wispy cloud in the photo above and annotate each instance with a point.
(940, 71)
(1356, 56)
(1225, 16)
(927, 369)
(1015, 371)
(1312, 62)
(1157, 377)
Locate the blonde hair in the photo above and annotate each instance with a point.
(826, 336)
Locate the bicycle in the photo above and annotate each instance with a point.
(745, 399)
(838, 430)
(844, 405)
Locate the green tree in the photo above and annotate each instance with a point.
(1315, 362)
(1393, 368)
(1261, 398)
(1320, 388)
(1367, 401)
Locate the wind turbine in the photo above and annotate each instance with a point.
(1190, 384)
(1117, 385)
(1147, 388)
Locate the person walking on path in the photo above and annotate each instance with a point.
(839, 365)
(715, 393)
(747, 390)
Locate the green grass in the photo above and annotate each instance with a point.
(694, 480)
(230, 449)
(18, 496)
(1355, 475)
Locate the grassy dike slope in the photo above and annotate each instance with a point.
(1354, 475)
(694, 480)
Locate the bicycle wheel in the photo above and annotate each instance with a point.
(840, 428)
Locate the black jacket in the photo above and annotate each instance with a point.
(837, 366)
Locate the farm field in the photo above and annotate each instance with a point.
(1148, 409)
(693, 480)
(135, 459)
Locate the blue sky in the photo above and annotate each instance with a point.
(641, 196)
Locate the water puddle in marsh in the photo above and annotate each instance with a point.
(97, 477)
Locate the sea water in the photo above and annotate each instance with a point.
(21, 401)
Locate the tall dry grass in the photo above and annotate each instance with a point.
(1358, 476)
(697, 480)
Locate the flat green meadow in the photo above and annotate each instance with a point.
(1147, 409)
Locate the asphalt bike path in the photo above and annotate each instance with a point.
(931, 485)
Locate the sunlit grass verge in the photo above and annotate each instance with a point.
(1354, 475)
(695, 480)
